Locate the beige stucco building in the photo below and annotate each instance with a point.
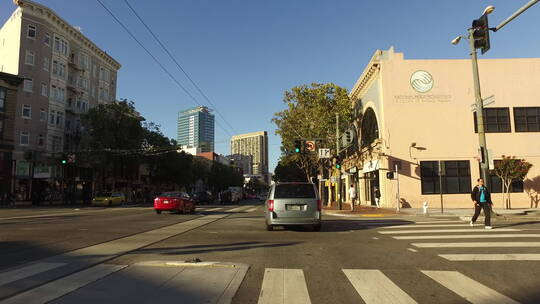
(253, 144)
(417, 114)
(64, 74)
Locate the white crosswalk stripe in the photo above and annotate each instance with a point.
(375, 288)
(284, 286)
(58, 288)
(492, 257)
(425, 226)
(477, 244)
(27, 271)
(468, 288)
(466, 236)
(252, 209)
(447, 231)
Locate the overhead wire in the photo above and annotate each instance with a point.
(155, 59)
(178, 65)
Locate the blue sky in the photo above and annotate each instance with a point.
(245, 54)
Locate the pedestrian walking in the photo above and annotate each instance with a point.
(482, 200)
(352, 195)
(377, 194)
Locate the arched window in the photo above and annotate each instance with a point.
(370, 128)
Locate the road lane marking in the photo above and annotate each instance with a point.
(468, 288)
(239, 209)
(27, 271)
(376, 288)
(213, 209)
(412, 250)
(55, 289)
(425, 226)
(476, 244)
(447, 231)
(252, 209)
(80, 211)
(492, 257)
(284, 286)
(437, 222)
(465, 236)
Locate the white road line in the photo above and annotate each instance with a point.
(376, 288)
(468, 288)
(447, 230)
(252, 209)
(425, 226)
(492, 257)
(465, 236)
(437, 222)
(63, 286)
(284, 286)
(27, 271)
(213, 209)
(238, 209)
(476, 244)
(412, 250)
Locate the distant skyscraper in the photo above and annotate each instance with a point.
(196, 128)
(255, 145)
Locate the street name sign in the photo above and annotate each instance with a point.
(486, 101)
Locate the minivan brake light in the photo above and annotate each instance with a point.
(270, 205)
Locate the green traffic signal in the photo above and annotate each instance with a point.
(297, 150)
(338, 166)
(64, 161)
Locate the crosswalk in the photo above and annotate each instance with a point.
(278, 285)
(247, 208)
(451, 235)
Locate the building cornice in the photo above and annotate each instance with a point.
(40, 11)
(369, 73)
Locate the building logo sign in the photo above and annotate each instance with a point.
(421, 81)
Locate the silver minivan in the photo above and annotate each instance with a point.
(293, 204)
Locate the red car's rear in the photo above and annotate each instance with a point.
(174, 201)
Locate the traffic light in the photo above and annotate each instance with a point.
(63, 159)
(297, 146)
(481, 33)
(390, 175)
(337, 162)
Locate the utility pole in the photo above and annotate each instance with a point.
(338, 183)
(479, 112)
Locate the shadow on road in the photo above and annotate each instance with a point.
(194, 249)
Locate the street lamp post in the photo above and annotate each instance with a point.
(479, 111)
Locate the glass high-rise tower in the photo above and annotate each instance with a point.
(196, 128)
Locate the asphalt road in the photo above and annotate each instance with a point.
(352, 260)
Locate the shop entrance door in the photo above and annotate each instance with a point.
(372, 181)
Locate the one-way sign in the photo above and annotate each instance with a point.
(324, 153)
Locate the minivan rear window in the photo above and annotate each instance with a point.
(294, 191)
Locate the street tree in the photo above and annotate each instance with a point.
(510, 169)
(288, 170)
(311, 114)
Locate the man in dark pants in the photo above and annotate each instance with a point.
(482, 200)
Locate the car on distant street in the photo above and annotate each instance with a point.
(203, 197)
(293, 204)
(174, 201)
(108, 199)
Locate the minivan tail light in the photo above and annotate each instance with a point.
(319, 205)
(270, 205)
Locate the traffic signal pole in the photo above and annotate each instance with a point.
(338, 191)
(479, 111)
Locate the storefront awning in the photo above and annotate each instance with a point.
(371, 166)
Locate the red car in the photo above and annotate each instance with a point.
(179, 202)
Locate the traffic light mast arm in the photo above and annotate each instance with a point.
(514, 15)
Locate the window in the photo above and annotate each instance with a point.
(3, 94)
(60, 46)
(44, 89)
(84, 61)
(59, 119)
(94, 71)
(496, 183)
(46, 64)
(52, 117)
(30, 57)
(455, 177)
(25, 138)
(26, 111)
(47, 39)
(104, 74)
(28, 85)
(31, 32)
(41, 140)
(58, 94)
(59, 69)
(527, 119)
(496, 120)
(56, 143)
(42, 115)
(84, 106)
